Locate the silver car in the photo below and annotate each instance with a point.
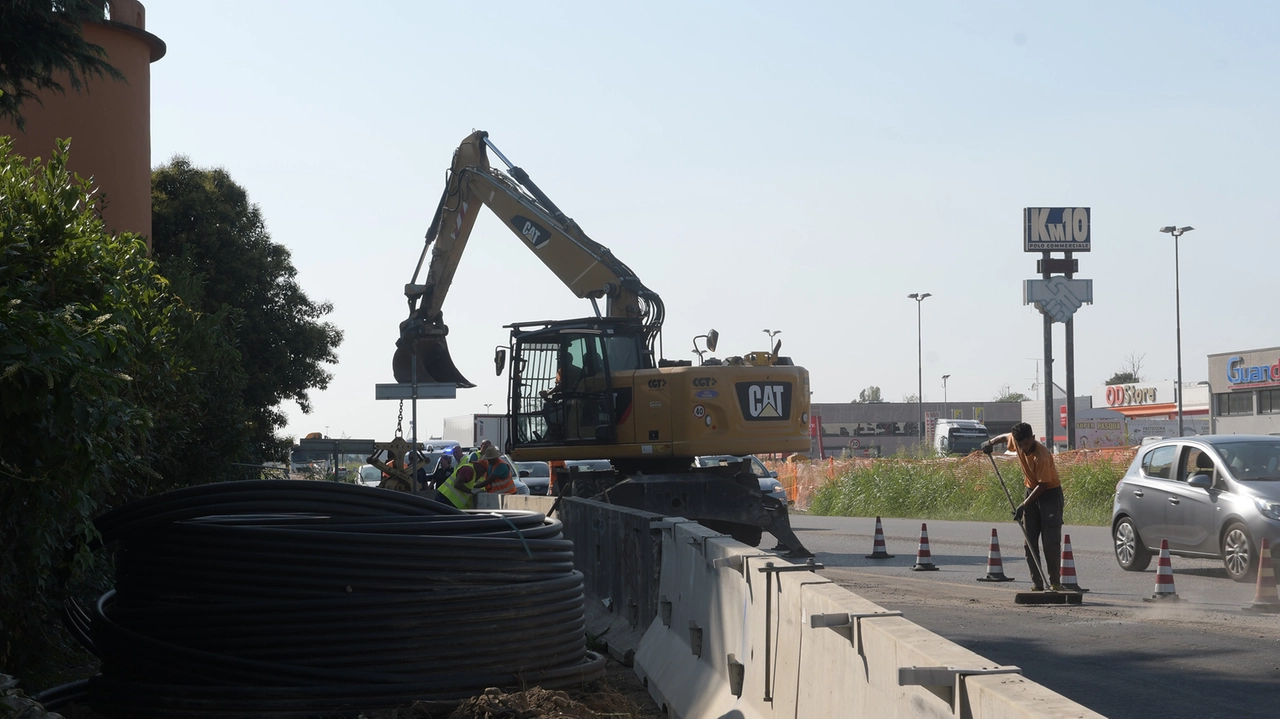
(769, 484)
(1210, 496)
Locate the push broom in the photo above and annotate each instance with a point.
(1048, 596)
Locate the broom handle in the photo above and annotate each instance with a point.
(1044, 578)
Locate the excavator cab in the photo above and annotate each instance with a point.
(571, 381)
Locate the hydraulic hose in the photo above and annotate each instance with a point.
(291, 598)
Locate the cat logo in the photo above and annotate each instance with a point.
(536, 234)
(762, 401)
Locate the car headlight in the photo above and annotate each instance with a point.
(1269, 508)
(776, 488)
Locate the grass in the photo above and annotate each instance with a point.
(963, 489)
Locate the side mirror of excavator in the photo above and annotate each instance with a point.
(499, 360)
(713, 338)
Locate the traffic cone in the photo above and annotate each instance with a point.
(1069, 567)
(1265, 598)
(878, 548)
(995, 567)
(924, 561)
(1164, 577)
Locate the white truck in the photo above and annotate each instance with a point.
(958, 436)
(469, 430)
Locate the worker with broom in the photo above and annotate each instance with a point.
(1041, 511)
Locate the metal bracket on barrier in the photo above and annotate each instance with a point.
(664, 609)
(950, 679)
(852, 622)
(736, 562)
(808, 566)
(769, 570)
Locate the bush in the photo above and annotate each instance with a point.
(962, 489)
(106, 382)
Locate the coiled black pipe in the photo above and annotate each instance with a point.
(298, 598)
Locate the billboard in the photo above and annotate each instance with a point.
(1056, 229)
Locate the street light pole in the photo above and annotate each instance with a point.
(1177, 309)
(772, 334)
(945, 377)
(919, 298)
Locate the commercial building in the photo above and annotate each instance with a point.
(1244, 389)
(880, 429)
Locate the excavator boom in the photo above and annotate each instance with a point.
(586, 267)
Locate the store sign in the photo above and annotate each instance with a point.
(1124, 395)
(1240, 374)
(1056, 229)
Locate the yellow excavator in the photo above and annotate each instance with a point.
(595, 387)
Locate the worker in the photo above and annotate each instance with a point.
(443, 470)
(501, 477)
(1041, 510)
(458, 488)
(479, 453)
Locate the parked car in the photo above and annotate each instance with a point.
(769, 484)
(370, 476)
(590, 465)
(537, 475)
(1211, 496)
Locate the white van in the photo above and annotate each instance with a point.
(959, 436)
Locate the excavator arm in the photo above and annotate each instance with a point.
(586, 267)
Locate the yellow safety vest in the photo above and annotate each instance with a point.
(459, 496)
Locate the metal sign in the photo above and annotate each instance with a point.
(1056, 229)
(1057, 296)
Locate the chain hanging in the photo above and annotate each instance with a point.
(400, 421)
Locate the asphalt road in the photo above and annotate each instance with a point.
(1202, 657)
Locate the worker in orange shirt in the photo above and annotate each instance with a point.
(1041, 510)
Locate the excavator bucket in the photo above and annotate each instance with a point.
(434, 362)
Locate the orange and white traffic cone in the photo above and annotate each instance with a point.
(995, 567)
(924, 561)
(1265, 598)
(878, 548)
(1069, 567)
(1164, 577)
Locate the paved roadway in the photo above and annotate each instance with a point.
(1203, 657)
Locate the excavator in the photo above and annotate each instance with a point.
(596, 387)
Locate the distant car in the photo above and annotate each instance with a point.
(370, 476)
(1213, 496)
(769, 484)
(537, 475)
(590, 465)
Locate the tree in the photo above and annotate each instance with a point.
(109, 387)
(869, 395)
(1130, 372)
(213, 243)
(40, 39)
(1008, 395)
(911, 398)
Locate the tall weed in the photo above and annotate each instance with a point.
(964, 488)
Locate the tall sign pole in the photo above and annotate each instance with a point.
(1047, 230)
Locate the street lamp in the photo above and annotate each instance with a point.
(919, 298)
(772, 334)
(1177, 305)
(945, 377)
(487, 405)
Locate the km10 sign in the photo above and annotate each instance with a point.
(1056, 229)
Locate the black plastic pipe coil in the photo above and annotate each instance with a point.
(292, 598)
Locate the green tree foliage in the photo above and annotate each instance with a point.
(1008, 395)
(41, 40)
(109, 387)
(213, 243)
(870, 394)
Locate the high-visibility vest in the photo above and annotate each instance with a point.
(458, 492)
(501, 485)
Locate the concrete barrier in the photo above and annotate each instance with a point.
(719, 629)
(744, 634)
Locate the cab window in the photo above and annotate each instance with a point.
(1159, 462)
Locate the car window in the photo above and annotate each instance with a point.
(1159, 462)
(1251, 460)
(758, 467)
(1196, 461)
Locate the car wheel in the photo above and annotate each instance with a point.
(1131, 553)
(1238, 554)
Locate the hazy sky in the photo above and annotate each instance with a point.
(797, 166)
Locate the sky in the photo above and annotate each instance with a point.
(800, 167)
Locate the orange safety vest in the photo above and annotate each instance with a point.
(501, 478)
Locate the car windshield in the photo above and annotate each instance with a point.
(1253, 460)
(535, 469)
(590, 465)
